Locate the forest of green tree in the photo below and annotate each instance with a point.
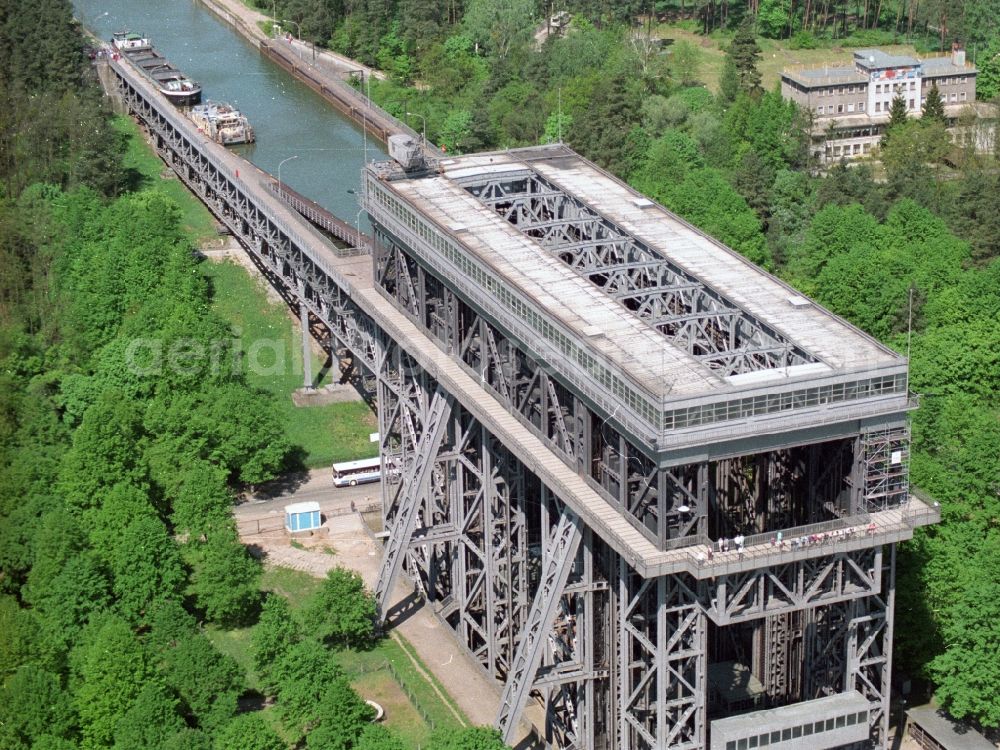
(864, 240)
(117, 542)
(115, 531)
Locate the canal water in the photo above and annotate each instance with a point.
(289, 119)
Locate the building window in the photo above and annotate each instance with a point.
(913, 85)
(953, 97)
(819, 109)
(964, 79)
(840, 108)
(861, 106)
(911, 104)
(962, 96)
(878, 106)
(878, 88)
(850, 107)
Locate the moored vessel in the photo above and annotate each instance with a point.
(222, 123)
(171, 82)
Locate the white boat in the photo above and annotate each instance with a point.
(222, 123)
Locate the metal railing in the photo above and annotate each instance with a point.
(311, 210)
(801, 542)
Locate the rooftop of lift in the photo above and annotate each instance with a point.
(815, 342)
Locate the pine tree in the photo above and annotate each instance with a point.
(897, 116)
(742, 57)
(934, 107)
(897, 113)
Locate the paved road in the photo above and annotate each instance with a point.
(315, 485)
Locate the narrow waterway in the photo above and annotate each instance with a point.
(324, 151)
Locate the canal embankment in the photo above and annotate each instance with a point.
(325, 72)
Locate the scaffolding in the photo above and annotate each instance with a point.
(886, 456)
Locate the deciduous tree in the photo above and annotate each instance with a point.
(377, 737)
(249, 731)
(686, 61)
(342, 613)
(208, 681)
(471, 738)
(32, 704)
(968, 672)
(152, 721)
(341, 716)
(302, 675)
(226, 579)
(110, 669)
(988, 77)
(276, 632)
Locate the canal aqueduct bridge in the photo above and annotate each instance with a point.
(646, 484)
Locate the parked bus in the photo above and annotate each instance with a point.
(350, 473)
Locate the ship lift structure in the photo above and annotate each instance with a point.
(648, 486)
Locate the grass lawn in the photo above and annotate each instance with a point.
(295, 585)
(400, 715)
(368, 672)
(775, 54)
(334, 432)
(148, 172)
(235, 643)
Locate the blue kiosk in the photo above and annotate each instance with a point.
(303, 517)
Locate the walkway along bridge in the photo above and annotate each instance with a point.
(647, 536)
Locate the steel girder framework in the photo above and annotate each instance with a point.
(623, 663)
(416, 470)
(848, 645)
(690, 314)
(661, 661)
(787, 588)
(755, 493)
(557, 563)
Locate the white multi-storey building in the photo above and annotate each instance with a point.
(850, 104)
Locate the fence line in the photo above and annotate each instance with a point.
(386, 665)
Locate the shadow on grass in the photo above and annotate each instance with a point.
(133, 180)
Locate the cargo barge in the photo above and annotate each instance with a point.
(223, 124)
(169, 81)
